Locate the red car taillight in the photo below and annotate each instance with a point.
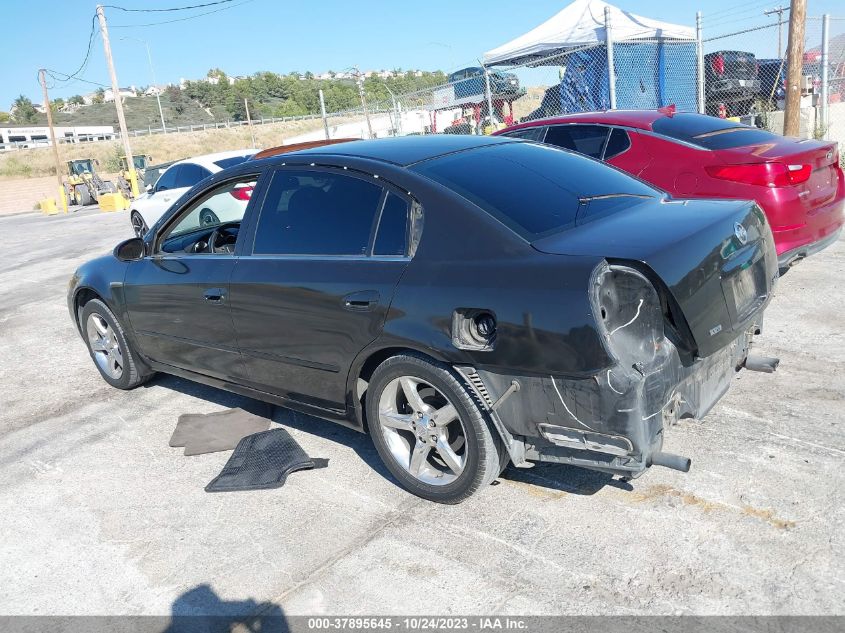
(717, 63)
(765, 174)
(241, 193)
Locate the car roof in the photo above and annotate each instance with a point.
(403, 150)
(208, 160)
(641, 119)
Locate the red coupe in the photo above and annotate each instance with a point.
(798, 183)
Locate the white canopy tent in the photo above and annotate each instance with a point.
(578, 25)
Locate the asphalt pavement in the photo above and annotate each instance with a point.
(98, 515)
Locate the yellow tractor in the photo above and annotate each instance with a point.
(84, 186)
(140, 162)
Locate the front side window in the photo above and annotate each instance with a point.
(310, 212)
(221, 208)
(584, 139)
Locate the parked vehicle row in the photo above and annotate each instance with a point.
(469, 301)
(797, 183)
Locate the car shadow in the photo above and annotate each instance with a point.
(200, 610)
(558, 477)
(565, 478)
(358, 442)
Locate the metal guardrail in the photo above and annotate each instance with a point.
(196, 127)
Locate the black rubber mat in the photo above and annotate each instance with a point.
(212, 432)
(261, 461)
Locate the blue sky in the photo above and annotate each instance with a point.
(286, 35)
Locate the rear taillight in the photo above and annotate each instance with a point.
(764, 174)
(241, 193)
(717, 64)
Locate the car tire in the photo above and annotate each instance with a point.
(445, 461)
(109, 348)
(138, 224)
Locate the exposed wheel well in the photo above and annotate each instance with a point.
(366, 373)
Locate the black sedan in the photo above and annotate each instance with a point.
(468, 301)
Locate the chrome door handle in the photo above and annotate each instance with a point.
(363, 300)
(214, 295)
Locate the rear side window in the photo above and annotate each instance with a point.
(190, 174)
(617, 143)
(392, 235)
(317, 213)
(168, 178)
(584, 139)
(530, 133)
(533, 189)
(710, 132)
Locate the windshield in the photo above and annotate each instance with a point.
(223, 163)
(710, 132)
(533, 189)
(82, 166)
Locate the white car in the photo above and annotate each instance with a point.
(148, 207)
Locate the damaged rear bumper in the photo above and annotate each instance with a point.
(613, 421)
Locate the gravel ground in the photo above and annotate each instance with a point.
(100, 516)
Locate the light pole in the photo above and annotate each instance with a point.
(153, 75)
(397, 123)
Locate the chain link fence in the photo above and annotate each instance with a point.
(734, 66)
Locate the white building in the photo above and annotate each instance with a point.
(22, 136)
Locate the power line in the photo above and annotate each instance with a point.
(195, 6)
(65, 78)
(190, 17)
(75, 73)
(745, 8)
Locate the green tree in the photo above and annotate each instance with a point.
(99, 96)
(177, 99)
(76, 100)
(23, 110)
(4, 117)
(57, 104)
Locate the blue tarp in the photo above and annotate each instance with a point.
(648, 75)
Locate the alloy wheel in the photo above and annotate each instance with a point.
(138, 224)
(423, 431)
(104, 346)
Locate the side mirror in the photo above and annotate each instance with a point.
(96, 162)
(130, 250)
(148, 188)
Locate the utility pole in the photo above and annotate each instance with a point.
(795, 59)
(54, 140)
(323, 113)
(249, 122)
(780, 11)
(124, 133)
